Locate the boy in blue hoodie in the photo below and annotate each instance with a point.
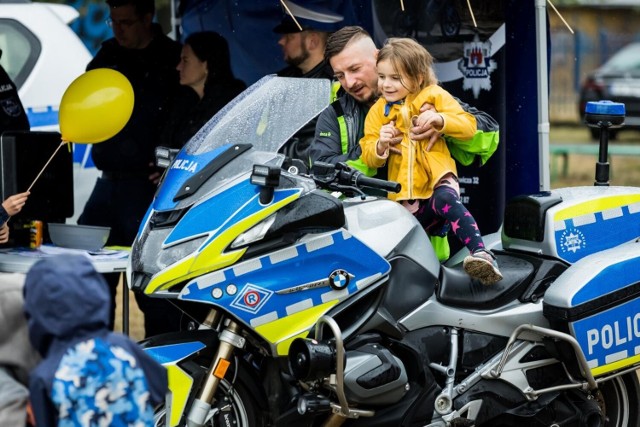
(88, 376)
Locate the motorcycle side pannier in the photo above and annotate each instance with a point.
(597, 301)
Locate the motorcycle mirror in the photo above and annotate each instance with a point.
(267, 178)
(165, 156)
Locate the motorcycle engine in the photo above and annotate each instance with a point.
(372, 374)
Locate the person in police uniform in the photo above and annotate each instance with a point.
(12, 113)
(303, 44)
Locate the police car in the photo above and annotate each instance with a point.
(43, 55)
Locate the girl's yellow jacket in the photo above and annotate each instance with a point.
(416, 169)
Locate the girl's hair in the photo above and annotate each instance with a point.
(212, 47)
(411, 60)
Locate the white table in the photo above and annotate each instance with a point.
(14, 260)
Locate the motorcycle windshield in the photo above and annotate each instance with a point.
(266, 115)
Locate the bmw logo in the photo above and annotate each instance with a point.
(339, 279)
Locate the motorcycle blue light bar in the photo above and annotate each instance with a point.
(605, 107)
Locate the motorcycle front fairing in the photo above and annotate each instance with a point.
(202, 180)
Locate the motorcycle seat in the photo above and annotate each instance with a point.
(457, 289)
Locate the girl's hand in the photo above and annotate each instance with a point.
(390, 136)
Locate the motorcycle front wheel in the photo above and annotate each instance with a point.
(234, 406)
(620, 397)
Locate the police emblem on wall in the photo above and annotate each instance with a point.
(476, 66)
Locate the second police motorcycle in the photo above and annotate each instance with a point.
(333, 311)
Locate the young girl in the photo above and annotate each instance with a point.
(426, 170)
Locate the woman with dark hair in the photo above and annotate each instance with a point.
(208, 84)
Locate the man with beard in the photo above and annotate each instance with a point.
(352, 54)
(303, 50)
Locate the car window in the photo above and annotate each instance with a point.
(627, 59)
(20, 50)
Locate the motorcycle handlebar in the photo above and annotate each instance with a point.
(358, 179)
(361, 180)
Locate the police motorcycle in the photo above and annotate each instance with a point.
(335, 311)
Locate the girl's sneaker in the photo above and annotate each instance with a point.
(482, 265)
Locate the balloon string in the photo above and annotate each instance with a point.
(63, 142)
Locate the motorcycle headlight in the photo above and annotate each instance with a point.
(177, 252)
(255, 233)
(151, 256)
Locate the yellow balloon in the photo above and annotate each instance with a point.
(95, 106)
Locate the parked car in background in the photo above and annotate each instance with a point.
(618, 80)
(43, 56)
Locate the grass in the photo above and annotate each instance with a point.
(624, 170)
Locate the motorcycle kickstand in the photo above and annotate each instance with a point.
(229, 339)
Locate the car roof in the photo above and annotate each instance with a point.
(625, 59)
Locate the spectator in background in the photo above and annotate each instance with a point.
(88, 375)
(208, 84)
(121, 196)
(12, 117)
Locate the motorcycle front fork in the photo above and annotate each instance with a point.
(230, 339)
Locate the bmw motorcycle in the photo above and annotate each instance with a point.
(327, 310)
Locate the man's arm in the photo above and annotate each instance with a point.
(484, 121)
(487, 126)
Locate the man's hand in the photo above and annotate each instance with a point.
(390, 136)
(13, 204)
(425, 126)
